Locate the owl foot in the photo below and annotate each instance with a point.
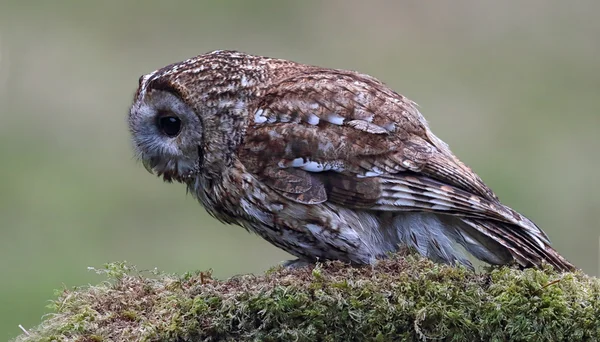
(297, 263)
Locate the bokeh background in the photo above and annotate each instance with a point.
(512, 86)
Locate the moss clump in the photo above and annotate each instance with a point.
(404, 298)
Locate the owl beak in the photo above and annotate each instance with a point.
(148, 165)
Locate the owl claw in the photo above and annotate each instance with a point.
(297, 263)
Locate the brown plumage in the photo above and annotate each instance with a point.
(323, 163)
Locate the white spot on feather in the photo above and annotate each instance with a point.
(369, 174)
(313, 167)
(377, 170)
(312, 119)
(403, 202)
(390, 127)
(401, 188)
(407, 164)
(298, 162)
(258, 117)
(335, 119)
(398, 195)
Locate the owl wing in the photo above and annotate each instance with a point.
(348, 139)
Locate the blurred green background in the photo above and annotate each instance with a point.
(512, 86)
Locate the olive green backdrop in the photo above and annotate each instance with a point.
(512, 86)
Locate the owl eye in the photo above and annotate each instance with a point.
(169, 125)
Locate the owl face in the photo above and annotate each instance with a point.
(167, 133)
(188, 118)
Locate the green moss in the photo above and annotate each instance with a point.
(405, 298)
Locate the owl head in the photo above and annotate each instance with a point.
(167, 132)
(188, 117)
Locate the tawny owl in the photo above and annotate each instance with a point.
(323, 163)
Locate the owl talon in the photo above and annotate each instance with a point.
(296, 263)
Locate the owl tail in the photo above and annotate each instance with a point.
(439, 236)
(526, 249)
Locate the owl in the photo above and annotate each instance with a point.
(325, 164)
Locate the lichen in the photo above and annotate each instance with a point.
(403, 298)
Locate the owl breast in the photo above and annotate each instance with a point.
(309, 232)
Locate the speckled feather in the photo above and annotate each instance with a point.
(323, 163)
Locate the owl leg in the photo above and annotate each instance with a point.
(297, 263)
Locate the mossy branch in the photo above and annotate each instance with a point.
(405, 298)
